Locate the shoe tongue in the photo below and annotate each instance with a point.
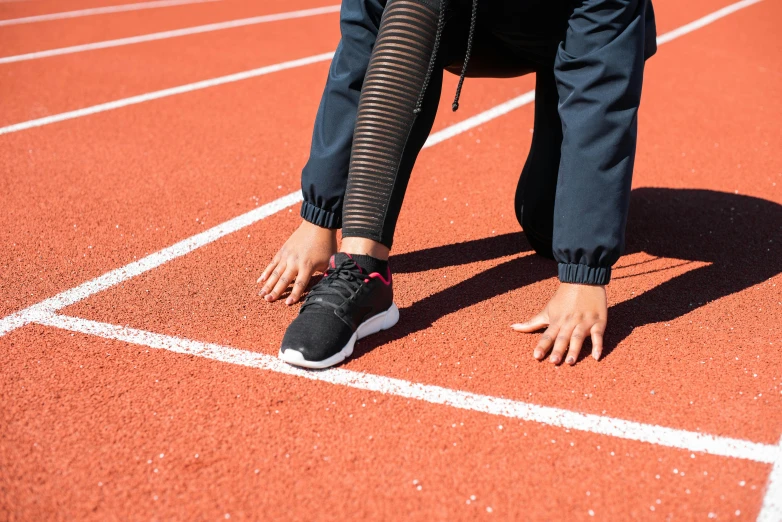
(338, 258)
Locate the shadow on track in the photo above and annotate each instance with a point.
(739, 236)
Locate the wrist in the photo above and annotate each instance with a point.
(317, 229)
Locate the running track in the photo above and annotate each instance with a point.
(145, 184)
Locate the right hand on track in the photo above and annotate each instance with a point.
(307, 251)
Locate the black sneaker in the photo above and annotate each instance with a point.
(346, 305)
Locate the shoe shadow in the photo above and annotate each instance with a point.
(739, 236)
(495, 281)
(483, 249)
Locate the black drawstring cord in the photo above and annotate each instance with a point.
(473, 18)
(432, 58)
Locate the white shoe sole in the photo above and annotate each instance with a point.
(376, 323)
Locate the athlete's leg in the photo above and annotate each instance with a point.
(537, 185)
(355, 298)
(389, 134)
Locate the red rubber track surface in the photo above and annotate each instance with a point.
(221, 440)
(42, 35)
(100, 429)
(35, 88)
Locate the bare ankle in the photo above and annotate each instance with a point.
(364, 247)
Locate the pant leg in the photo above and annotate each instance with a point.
(388, 135)
(537, 186)
(325, 176)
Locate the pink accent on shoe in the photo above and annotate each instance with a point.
(386, 280)
(359, 266)
(331, 262)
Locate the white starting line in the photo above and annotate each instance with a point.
(44, 312)
(587, 422)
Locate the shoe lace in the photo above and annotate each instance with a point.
(339, 284)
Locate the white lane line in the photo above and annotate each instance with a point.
(771, 510)
(480, 119)
(84, 290)
(156, 95)
(232, 24)
(620, 428)
(706, 20)
(144, 264)
(100, 10)
(255, 72)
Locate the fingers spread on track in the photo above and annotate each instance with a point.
(302, 279)
(287, 277)
(577, 341)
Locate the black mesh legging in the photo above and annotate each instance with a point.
(388, 135)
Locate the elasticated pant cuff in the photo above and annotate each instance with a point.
(583, 274)
(318, 216)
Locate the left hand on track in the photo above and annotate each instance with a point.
(573, 314)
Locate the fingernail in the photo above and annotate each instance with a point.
(554, 359)
(596, 355)
(268, 297)
(289, 301)
(570, 360)
(537, 355)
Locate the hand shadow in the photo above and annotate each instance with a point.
(740, 236)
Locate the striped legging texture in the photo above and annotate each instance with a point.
(389, 93)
